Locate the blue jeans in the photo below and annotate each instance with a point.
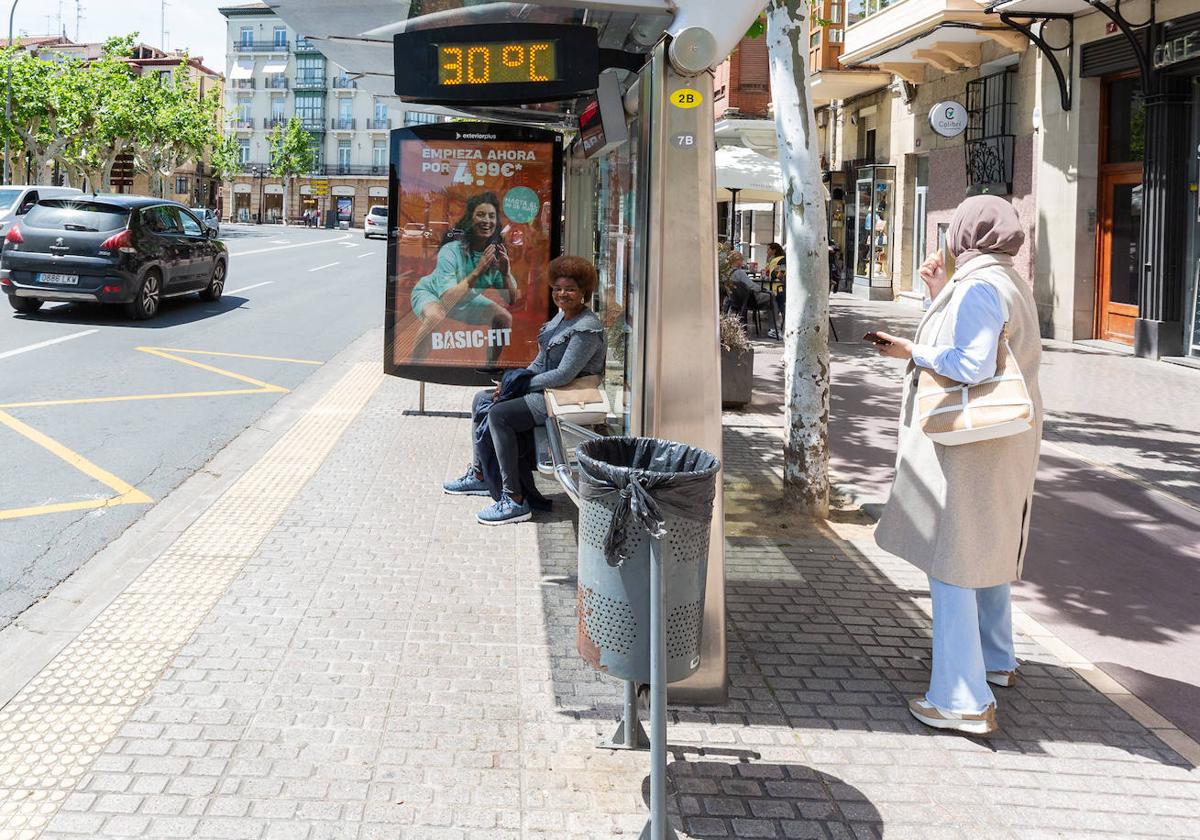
(972, 634)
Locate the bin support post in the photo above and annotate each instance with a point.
(657, 828)
(629, 735)
(421, 398)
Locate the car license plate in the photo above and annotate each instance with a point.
(59, 279)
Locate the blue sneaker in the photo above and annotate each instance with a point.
(504, 512)
(467, 485)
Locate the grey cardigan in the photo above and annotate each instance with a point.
(578, 350)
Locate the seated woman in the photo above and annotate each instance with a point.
(472, 259)
(571, 345)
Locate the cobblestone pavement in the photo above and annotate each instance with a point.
(380, 666)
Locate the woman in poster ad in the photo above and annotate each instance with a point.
(472, 259)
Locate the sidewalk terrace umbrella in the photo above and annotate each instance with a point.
(744, 174)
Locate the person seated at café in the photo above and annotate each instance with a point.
(570, 346)
(745, 294)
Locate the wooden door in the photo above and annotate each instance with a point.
(1118, 260)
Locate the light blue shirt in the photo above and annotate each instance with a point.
(977, 329)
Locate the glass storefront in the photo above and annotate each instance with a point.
(616, 233)
(875, 189)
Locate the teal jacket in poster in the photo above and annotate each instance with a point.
(455, 260)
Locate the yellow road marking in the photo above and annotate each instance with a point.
(127, 494)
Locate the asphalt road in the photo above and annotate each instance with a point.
(295, 295)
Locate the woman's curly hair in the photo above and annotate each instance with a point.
(574, 268)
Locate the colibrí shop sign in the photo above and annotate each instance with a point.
(1180, 48)
(949, 118)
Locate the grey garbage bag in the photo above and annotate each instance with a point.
(649, 477)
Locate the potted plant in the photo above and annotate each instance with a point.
(737, 363)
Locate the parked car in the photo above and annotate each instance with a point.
(122, 249)
(375, 222)
(208, 218)
(15, 201)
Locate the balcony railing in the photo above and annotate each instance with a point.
(260, 46)
(379, 125)
(275, 82)
(344, 83)
(342, 124)
(351, 169)
(310, 82)
(246, 123)
(305, 45)
(255, 169)
(243, 84)
(271, 122)
(312, 123)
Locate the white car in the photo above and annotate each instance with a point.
(375, 222)
(17, 200)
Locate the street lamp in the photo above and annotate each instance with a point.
(8, 100)
(260, 172)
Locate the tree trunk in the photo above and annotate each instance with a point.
(806, 324)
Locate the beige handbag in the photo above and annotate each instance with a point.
(953, 413)
(582, 402)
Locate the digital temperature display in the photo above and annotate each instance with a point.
(508, 62)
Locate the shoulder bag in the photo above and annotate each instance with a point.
(954, 413)
(582, 402)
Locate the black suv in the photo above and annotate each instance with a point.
(110, 249)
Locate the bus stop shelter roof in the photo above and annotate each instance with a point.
(358, 36)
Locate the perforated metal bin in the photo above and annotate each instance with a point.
(614, 582)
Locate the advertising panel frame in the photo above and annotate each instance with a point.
(476, 132)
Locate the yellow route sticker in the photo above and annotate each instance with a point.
(686, 98)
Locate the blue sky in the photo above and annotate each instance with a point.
(194, 24)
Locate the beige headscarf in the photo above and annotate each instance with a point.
(984, 224)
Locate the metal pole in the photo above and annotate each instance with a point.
(8, 85)
(658, 828)
(631, 716)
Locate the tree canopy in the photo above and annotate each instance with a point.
(84, 115)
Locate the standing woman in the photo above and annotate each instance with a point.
(961, 513)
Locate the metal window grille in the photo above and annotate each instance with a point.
(989, 137)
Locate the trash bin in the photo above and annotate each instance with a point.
(631, 488)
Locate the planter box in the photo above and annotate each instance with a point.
(737, 378)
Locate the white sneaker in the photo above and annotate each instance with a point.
(1004, 679)
(930, 715)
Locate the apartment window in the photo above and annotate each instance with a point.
(278, 103)
(989, 137)
(345, 110)
(856, 10)
(182, 187)
(310, 69)
(381, 113)
(833, 36)
(814, 40)
(280, 39)
(244, 150)
(318, 156)
(247, 35)
(379, 154)
(311, 109)
(343, 153)
(835, 13)
(422, 118)
(244, 103)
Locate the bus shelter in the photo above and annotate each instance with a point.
(634, 191)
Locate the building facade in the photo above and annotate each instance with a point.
(274, 73)
(1092, 135)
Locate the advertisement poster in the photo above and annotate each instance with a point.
(473, 212)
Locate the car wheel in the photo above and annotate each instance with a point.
(216, 285)
(149, 297)
(26, 305)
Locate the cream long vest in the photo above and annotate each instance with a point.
(961, 513)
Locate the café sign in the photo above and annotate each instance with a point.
(1180, 48)
(949, 118)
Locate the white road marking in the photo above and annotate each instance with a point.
(318, 268)
(368, 254)
(47, 343)
(278, 241)
(349, 244)
(248, 288)
(281, 247)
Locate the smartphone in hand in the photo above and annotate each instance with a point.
(876, 339)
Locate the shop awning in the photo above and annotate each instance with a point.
(756, 178)
(829, 85)
(243, 69)
(275, 65)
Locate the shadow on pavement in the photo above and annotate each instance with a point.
(174, 312)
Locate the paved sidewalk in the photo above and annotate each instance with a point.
(334, 649)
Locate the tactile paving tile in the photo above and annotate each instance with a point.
(52, 731)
